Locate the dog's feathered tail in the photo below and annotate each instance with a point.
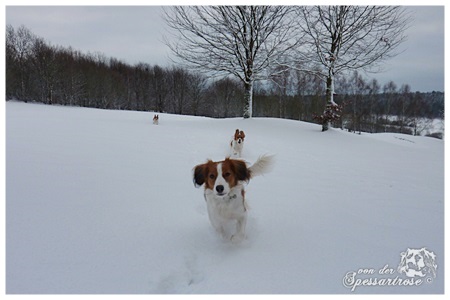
(263, 164)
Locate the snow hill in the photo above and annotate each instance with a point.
(102, 201)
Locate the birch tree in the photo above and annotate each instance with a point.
(239, 40)
(347, 38)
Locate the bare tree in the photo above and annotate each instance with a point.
(179, 82)
(389, 90)
(239, 40)
(196, 91)
(224, 93)
(417, 108)
(45, 64)
(281, 82)
(358, 89)
(346, 38)
(19, 48)
(374, 90)
(403, 104)
(160, 88)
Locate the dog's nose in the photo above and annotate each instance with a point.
(220, 189)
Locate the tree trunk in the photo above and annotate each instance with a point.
(330, 100)
(248, 100)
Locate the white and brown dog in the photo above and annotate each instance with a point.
(155, 120)
(237, 143)
(225, 194)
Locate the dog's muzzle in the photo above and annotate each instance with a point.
(219, 190)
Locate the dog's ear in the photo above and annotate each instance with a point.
(242, 134)
(199, 175)
(430, 261)
(240, 169)
(236, 134)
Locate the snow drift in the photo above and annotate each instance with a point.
(102, 201)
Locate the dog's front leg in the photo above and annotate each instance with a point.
(240, 230)
(221, 230)
(218, 225)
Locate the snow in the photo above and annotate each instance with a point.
(102, 202)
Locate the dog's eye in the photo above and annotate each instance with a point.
(212, 176)
(227, 174)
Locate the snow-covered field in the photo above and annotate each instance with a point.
(103, 201)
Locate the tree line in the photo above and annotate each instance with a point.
(366, 106)
(40, 72)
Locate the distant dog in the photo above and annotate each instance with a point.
(155, 119)
(237, 143)
(225, 194)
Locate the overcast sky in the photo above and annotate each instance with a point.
(134, 34)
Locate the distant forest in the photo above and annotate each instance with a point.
(40, 72)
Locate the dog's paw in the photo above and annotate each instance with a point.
(237, 238)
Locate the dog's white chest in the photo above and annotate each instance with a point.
(229, 207)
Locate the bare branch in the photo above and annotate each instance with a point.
(239, 40)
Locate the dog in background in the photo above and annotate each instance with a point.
(237, 143)
(224, 192)
(155, 120)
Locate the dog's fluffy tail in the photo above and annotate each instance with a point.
(263, 164)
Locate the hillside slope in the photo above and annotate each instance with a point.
(102, 201)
